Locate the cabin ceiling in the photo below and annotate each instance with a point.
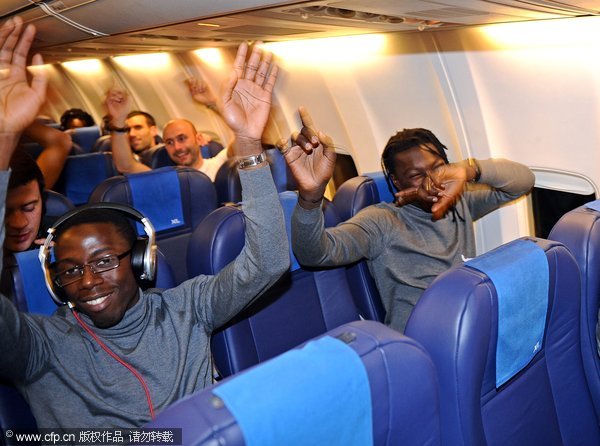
(73, 29)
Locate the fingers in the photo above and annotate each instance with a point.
(39, 81)
(305, 117)
(19, 57)
(252, 64)
(270, 83)
(240, 59)
(9, 35)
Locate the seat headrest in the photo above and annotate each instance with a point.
(520, 274)
(318, 394)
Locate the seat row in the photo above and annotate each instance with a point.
(442, 385)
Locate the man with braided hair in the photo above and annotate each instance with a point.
(406, 244)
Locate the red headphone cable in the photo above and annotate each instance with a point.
(114, 356)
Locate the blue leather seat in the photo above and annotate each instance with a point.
(458, 321)
(227, 180)
(14, 411)
(302, 305)
(401, 380)
(85, 137)
(353, 195)
(102, 144)
(195, 199)
(579, 230)
(82, 173)
(57, 204)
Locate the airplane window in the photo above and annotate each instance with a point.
(549, 205)
(344, 169)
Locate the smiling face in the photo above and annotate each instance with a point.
(104, 297)
(183, 143)
(141, 133)
(23, 216)
(412, 166)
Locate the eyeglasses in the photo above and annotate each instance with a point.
(102, 265)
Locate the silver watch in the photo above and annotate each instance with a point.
(252, 160)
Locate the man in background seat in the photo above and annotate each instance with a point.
(407, 243)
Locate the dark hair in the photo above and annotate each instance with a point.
(121, 223)
(405, 140)
(75, 113)
(149, 118)
(24, 170)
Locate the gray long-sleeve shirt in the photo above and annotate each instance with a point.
(404, 249)
(70, 382)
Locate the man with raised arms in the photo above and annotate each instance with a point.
(71, 366)
(407, 243)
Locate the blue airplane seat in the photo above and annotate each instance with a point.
(503, 332)
(85, 137)
(15, 412)
(352, 196)
(303, 304)
(57, 204)
(211, 149)
(175, 199)
(401, 405)
(82, 173)
(579, 231)
(102, 144)
(227, 180)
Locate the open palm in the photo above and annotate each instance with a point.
(246, 94)
(19, 101)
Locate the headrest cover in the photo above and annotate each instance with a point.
(289, 200)
(316, 395)
(519, 272)
(157, 195)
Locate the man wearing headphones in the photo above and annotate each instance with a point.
(118, 355)
(407, 243)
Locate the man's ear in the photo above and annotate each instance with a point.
(395, 181)
(153, 131)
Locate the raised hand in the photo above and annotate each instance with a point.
(19, 101)
(245, 98)
(311, 160)
(201, 92)
(118, 105)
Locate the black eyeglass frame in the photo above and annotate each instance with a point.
(93, 269)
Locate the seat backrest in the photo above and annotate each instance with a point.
(505, 344)
(82, 173)
(175, 200)
(229, 187)
(303, 304)
(211, 149)
(85, 137)
(351, 197)
(102, 144)
(57, 204)
(579, 230)
(309, 384)
(15, 413)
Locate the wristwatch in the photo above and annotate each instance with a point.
(251, 161)
(118, 129)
